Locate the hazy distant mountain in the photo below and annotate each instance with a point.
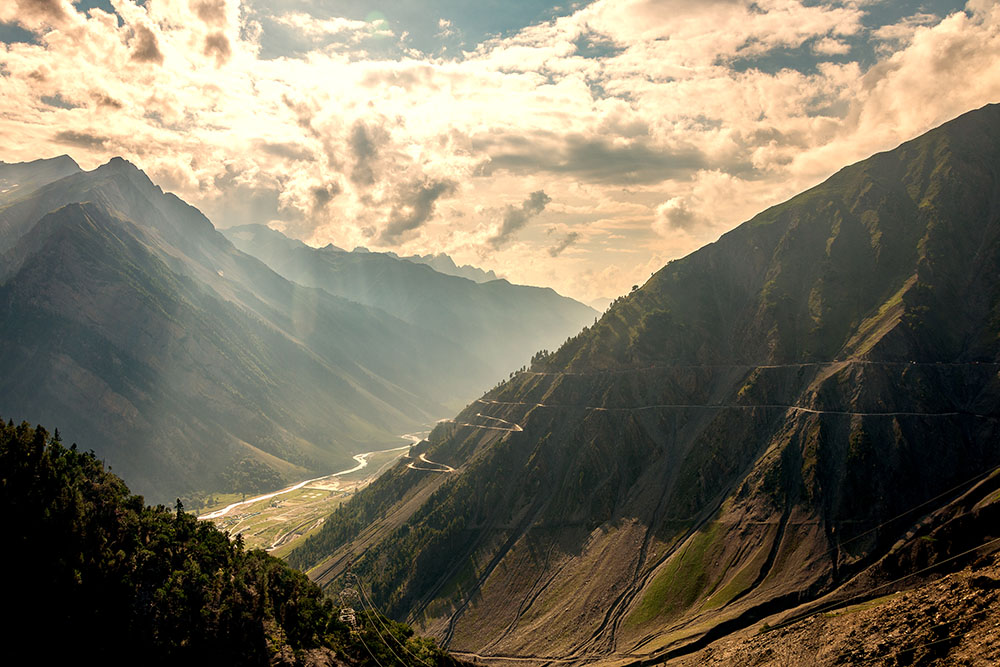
(18, 179)
(444, 264)
(809, 406)
(601, 304)
(500, 324)
(130, 323)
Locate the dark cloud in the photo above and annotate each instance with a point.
(218, 45)
(105, 100)
(516, 217)
(564, 243)
(592, 159)
(289, 151)
(675, 214)
(323, 195)
(303, 112)
(147, 50)
(58, 101)
(363, 146)
(413, 207)
(212, 12)
(49, 11)
(82, 139)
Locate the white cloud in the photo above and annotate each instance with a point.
(315, 28)
(660, 141)
(831, 47)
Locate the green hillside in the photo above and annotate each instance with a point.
(98, 573)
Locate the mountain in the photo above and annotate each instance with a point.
(18, 180)
(124, 581)
(444, 264)
(129, 321)
(802, 414)
(500, 324)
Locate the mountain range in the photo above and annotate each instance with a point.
(442, 263)
(497, 323)
(800, 414)
(130, 322)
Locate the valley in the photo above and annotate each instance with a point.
(277, 521)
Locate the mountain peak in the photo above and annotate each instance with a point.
(118, 163)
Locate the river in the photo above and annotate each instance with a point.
(362, 463)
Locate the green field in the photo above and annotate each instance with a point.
(278, 523)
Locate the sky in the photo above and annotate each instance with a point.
(576, 145)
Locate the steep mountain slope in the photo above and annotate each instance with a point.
(793, 415)
(954, 620)
(130, 321)
(499, 323)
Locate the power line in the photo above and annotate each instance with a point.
(841, 603)
(387, 630)
(357, 583)
(975, 478)
(363, 643)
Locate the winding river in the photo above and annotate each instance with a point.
(361, 464)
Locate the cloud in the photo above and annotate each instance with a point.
(648, 126)
(217, 45)
(563, 243)
(81, 139)
(315, 28)
(591, 158)
(673, 214)
(105, 100)
(35, 14)
(212, 12)
(323, 195)
(146, 48)
(363, 145)
(243, 195)
(831, 47)
(516, 217)
(286, 150)
(896, 35)
(413, 207)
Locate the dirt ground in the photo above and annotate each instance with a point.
(952, 621)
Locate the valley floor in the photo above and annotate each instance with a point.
(277, 521)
